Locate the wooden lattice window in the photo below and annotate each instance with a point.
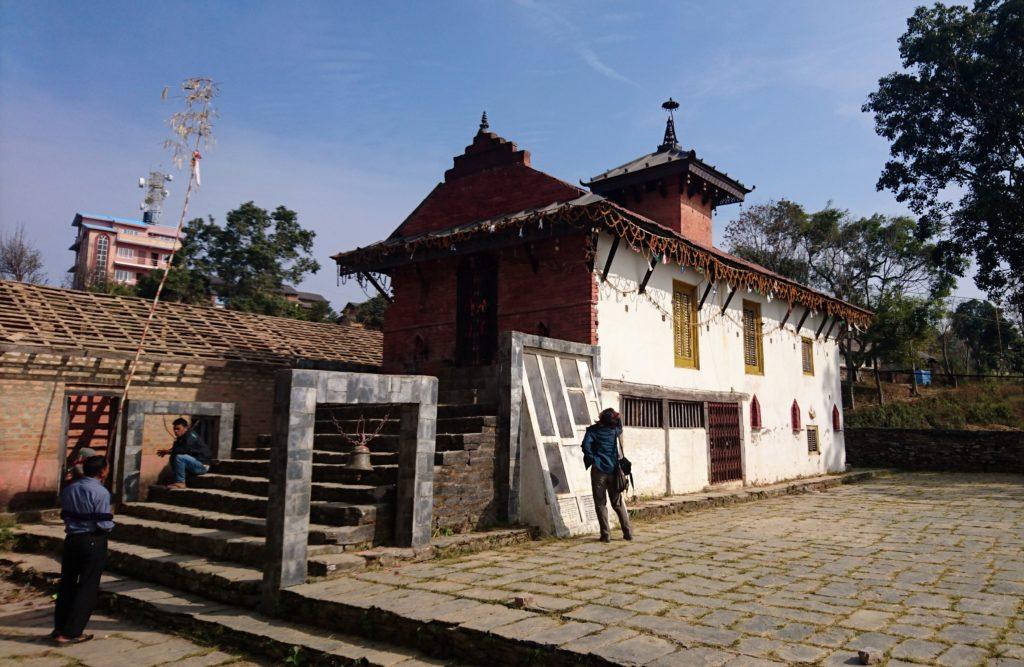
(684, 325)
(641, 412)
(837, 424)
(794, 416)
(807, 355)
(753, 355)
(812, 439)
(755, 414)
(685, 414)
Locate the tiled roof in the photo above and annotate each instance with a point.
(41, 318)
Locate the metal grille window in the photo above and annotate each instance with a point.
(753, 357)
(641, 412)
(685, 414)
(807, 355)
(812, 439)
(684, 325)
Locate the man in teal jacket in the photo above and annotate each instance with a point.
(601, 455)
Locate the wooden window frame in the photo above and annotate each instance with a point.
(642, 412)
(812, 431)
(809, 342)
(758, 368)
(681, 361)
(755, 414)
(794, 417)
(837, 423)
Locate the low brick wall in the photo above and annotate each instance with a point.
(934, 449)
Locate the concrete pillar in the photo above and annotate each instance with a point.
(414, 502)
(127, 488)
(291, 475)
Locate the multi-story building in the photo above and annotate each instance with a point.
(111, 249)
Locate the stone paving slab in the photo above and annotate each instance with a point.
(926, 568)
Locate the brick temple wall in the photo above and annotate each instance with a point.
(558, 300)
(32, 393)
(934, 449)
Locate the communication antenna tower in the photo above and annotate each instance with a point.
(153, 205)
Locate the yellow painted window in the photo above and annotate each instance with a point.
(753, 354)
(684, 325)
(807, 355)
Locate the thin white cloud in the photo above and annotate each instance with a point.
(559, 28)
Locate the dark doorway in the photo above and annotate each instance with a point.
(724, 442)
(90, 423)
(476, 316)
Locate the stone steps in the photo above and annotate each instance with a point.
(321, 491)
(382, 474)
(327, 513)
(232, 627)
(225, 582)
(445, 410)
(252, 526)
(457, 424)
(319, 456)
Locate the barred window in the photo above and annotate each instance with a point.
(684, 325)
(753, 358)
(685, 414)
(755, 414)
(807, 355)
(642, 412)
(812, 439)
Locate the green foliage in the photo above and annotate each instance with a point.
(100, 285)
(246, 261)
(955, 120)
(981, 405)
(993, 345)
(370, 313)
(296, 658)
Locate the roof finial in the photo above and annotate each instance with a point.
(670, 142)
(483, 123)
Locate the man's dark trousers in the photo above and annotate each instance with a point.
(81, 566)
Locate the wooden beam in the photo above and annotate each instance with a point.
(704, 296)
(650, 271)
(831, 327)
(789, 311)
(594, 237)
(729, 299)
(807, 311)
(534, 264)
(373, 281)
(817, 333)
(611, 256)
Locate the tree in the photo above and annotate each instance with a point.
(955, 120)
(245, 262)
(877, 262)
(994, 344)
(19, 259)
(370, 313)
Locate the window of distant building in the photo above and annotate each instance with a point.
(122, 276)
(123, 251)
(807, 355)
(102, 255)
(753, 354)
(684, 325)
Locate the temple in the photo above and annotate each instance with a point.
(725, 372)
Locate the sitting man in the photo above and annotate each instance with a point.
(189, 454)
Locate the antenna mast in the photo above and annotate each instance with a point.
(153, 205)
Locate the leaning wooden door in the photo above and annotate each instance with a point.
(724, 442)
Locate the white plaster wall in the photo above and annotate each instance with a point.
(645, 449)
(635, 335)
(688, 458)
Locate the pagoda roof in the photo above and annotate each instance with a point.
(591, 213)
(669, 160)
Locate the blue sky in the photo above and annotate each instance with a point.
(349, 113)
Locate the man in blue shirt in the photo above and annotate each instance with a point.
(601, 455)
(189, 454)
(85, 508)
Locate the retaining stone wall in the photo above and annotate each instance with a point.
(465, 497)
(934, 449)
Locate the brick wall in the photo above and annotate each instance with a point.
(32, 391)
(560, 297)
(933, 449)
(675, 209)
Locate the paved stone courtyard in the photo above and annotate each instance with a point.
(926, 568)
(26, 618)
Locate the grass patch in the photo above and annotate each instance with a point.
(983, 405)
